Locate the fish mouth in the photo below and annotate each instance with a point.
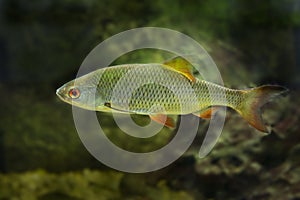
(60, 92)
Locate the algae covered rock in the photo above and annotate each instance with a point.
(86, 184)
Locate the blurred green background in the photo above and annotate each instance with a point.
(42, 45)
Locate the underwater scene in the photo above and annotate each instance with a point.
(51, 149)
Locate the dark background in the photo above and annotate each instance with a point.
(42, 45)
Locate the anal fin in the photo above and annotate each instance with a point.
(207, 113)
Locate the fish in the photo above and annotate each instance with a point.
(160, 90)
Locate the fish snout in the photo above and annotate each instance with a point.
(61, 92)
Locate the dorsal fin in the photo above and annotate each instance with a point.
(181, 66)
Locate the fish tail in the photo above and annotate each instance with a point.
(254, 99)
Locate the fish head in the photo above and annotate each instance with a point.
(81, 93)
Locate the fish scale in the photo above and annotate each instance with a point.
(160, 91)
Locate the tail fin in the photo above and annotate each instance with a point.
(255, 98)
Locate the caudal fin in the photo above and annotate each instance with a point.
(255, 98)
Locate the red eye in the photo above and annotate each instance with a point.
(74, 93)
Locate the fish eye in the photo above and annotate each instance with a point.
(74, 93)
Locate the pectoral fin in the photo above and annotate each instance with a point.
(163, 119)
(109, 106)
(181, 66)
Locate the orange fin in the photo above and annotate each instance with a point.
(181, 66)
(207, 113)
(163, 119)
(254, 99)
